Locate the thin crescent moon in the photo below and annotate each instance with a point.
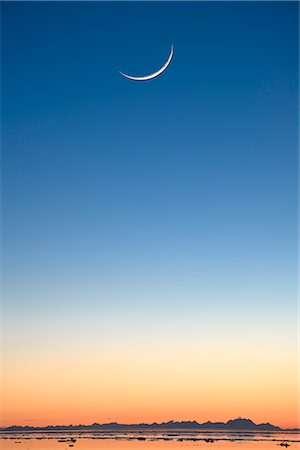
(152, 75)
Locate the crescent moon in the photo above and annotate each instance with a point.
(152, 75)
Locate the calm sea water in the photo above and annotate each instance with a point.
(148, 441)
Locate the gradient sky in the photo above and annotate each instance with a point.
(149, 232)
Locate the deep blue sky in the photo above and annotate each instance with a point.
(176, 195)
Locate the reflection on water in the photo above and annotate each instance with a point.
(148, 441)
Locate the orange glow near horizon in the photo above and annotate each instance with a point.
(144, 385)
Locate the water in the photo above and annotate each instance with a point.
(148, 441)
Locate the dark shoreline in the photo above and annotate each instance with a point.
(162, 435)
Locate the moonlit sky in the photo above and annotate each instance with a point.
(149, 231)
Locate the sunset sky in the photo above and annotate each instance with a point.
(149, 228)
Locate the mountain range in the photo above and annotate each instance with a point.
(238, 424)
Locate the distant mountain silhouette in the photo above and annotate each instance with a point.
(232, 425)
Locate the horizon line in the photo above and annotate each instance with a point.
(194, 421)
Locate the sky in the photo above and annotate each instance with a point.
(149, 228)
